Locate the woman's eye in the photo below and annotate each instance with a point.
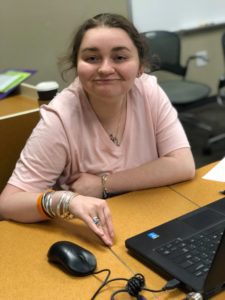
(92, 59)
(120, 58)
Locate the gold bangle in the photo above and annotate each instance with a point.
(105, 193)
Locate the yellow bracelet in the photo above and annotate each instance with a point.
(40, 207)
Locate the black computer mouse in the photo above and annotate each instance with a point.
(72, 258)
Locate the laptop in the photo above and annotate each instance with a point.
(190, 248)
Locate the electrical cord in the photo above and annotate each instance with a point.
(104, 282)
(134, 285)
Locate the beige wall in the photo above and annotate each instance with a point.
(37, 32)
(210, 41)
(34, 33)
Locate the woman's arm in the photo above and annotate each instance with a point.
(15, 204)
(174, 167)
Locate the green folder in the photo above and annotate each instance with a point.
(10, 79)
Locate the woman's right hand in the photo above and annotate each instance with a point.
(15, 204)
(89, 209)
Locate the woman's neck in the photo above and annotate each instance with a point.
(112, 116)
(107, 109)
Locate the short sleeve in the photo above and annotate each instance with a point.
(44, 156)
(169, 132)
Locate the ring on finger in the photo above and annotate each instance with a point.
(96, 220)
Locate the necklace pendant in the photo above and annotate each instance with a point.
(114, 140)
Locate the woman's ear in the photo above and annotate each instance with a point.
(140, 71)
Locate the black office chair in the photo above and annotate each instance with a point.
(221, 84)
(221, 102)
(164, 52)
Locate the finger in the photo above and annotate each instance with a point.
(99, 231)
(104, 225)
(107, 224)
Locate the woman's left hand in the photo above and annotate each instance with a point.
(87, 185)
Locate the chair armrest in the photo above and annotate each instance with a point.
(195, 57)
(221, 91)
(221, 83)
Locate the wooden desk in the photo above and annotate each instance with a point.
(23, 250)
(140, 211)
(199, 190)
(146, 209)
(25, 273)
(19, 114)
(23, 100)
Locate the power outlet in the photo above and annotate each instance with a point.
(200, 62)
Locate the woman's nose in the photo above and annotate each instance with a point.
(106, 67)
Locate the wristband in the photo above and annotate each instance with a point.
(40, 206)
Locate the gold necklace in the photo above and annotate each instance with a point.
(114, 138)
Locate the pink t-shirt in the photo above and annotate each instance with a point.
(69, 139)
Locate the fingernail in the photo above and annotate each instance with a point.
(109, 243)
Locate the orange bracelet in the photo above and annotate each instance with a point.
(39, 206)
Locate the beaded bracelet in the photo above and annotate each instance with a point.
(105, 193)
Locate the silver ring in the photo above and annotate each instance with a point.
(96, 220)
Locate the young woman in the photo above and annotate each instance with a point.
(113, 130)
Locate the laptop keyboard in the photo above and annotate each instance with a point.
(194, 254)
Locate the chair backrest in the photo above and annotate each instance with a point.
(164, 49)
(223, 44)
(221, 83)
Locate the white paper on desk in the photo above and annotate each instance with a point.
(217, 173)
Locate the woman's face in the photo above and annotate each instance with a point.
(108, 62)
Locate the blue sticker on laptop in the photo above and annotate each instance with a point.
(153, 235)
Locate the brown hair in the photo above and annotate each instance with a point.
(107, 20)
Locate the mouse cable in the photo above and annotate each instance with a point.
(104, 282)
(134, 285)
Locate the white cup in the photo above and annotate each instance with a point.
(47, 90)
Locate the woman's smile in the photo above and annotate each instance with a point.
(107, 81)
